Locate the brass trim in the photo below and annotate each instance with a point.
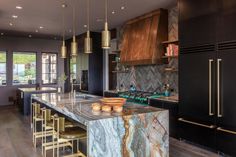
(210, 87)
(219, 114)
(198, 124)
(227, 131)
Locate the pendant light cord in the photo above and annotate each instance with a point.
(63, 23)
(88, 15)
(106, 10)
(74, 17)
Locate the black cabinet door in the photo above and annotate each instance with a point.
(196, 123)
(194, 70)
(197, 21)
(226, 134)
(227, 21)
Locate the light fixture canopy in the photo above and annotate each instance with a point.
(106, 34)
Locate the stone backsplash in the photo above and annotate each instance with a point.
(153, 77)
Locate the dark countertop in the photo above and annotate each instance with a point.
(80, 110)
(37, 90)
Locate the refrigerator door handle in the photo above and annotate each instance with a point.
(210, 87)
(227, 131)
(219, 114)
(198, 124)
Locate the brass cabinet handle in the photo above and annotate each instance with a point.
(210, 87)
(227, 131)
(198, 124)
(219, 114)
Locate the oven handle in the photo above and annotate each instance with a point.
(198, 124)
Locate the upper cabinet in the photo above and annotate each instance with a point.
(197, 21)
(142, 38)
(227, 20)
(206, 22)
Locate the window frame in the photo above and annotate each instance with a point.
(53, 53)
(36, 64)
(5, 51)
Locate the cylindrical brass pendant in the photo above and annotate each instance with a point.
(63, 50)
(74, 47)
(106, 37)
(88, 44)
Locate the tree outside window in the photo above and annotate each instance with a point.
(24, 68)
(3, 68)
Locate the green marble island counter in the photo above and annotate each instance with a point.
(139, 131)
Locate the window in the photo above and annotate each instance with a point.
(24, 68)
(3, 68)
(73, 69)
(49, 68)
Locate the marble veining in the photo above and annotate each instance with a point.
(139, 131)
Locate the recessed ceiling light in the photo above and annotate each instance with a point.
(113, 12)
(85, 26)
(36, 31)
(2, 33)
(10, 24)
(122, 7)
(30, 36)
(64, 5)
(41, 27)
(14, 16)
(19, 7)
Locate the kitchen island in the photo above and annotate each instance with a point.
(25, 95)
(138, 131)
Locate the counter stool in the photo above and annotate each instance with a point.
(36, 117)
(48, 130)
(65, 135)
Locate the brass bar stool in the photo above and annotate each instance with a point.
(71, 134)
(36, 117)
(49, 130)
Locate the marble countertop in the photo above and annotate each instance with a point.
(174, 98)
(37, 90)
(79, 109)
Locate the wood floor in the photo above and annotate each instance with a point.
(16, 140)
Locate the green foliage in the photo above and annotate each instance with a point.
(62, 79)
(19, 58)
(2, 57)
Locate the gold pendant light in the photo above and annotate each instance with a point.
(74, 44)
(106, 34)
(88, 40)
(63, 47)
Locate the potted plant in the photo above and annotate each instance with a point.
(61, 82)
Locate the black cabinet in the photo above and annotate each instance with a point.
(197, 21)
(173, 114)
(207, 73)
(226, 21)
(194, 86)
(226, 113)
(95, 64)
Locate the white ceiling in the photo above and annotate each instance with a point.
(48, 13)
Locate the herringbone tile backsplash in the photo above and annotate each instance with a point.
(153, 77)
